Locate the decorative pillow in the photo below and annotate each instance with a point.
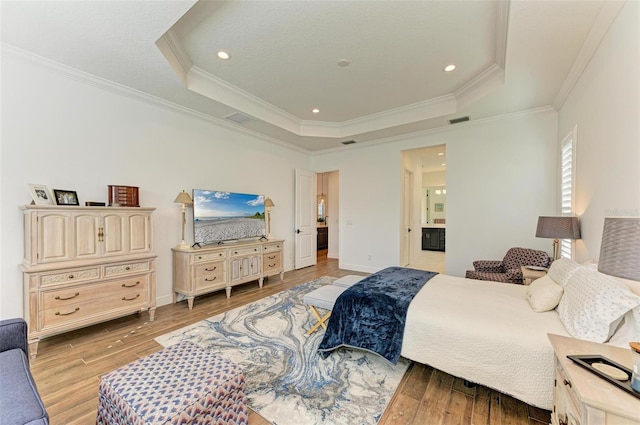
(593, 305)
(562, 269)
(544, 294)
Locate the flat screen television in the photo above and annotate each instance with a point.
(227, 216)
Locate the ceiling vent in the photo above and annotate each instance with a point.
(239, 118)
(458, 120)
(348, 142)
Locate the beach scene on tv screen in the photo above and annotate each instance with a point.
(223, 216)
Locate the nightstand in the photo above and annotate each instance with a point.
(529, 275)
(582, 398)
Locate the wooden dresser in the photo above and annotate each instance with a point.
(198, 271)
(84, 265)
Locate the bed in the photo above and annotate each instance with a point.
(488, 333)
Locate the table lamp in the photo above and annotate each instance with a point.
(557, 228)
(620, 248)
(184, 199)
(268, 204)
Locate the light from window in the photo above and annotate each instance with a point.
(567, 187)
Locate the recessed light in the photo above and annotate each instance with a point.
(344, 62)
(449, 68)
(224, 55)
(315, 110)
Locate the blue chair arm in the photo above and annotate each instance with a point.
(13, 334)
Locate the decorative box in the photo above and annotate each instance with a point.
(123, 196)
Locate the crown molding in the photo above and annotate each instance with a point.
(173, 51)
(489, 80)
(120, 89)
(221, 91)
(407, 114)
(438, 130)
(206, 84)
(605, 19)
(502, 31)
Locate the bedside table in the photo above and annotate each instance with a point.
(529, 275)
(582, 398)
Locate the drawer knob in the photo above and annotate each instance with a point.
(66, 314)
(70, 276)
(211, 280)
(124, 285)
(199, 257)
(567, 383)
(210, 270)
(272, 265)
(272, 258)
(130, 299)
(127, 268)
(67, 298)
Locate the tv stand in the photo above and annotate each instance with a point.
(198, 271)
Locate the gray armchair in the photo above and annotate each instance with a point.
(20, 403)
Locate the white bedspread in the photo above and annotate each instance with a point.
(484, 332)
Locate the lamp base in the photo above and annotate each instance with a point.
(556, 249)
(183, 245)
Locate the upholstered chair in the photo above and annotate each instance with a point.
(508, 270)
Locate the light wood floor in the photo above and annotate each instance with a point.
(68, 367)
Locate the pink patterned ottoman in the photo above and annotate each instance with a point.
(181, 384)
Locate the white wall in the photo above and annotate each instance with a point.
(68, 134)
(500, 177)
(605, 106)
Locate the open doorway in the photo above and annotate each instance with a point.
(427, 246)
(328, 214)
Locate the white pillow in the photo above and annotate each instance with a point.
(629, 329)
(562, 269)
(593, 304)
(544, 294)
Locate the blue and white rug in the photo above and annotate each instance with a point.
(288, 383)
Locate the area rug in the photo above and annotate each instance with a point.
(288, 383)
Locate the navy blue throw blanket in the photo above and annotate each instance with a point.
(371, 314)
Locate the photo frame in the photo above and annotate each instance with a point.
(438, 207)
(41, 194)
(65, 197)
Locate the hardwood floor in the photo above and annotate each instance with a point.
(68, 367)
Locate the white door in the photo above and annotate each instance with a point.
(305, 219)
(407, 207)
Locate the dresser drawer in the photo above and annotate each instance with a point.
(126, 268)
(271, 262)
(209, 256)
(238, 252)
(85, 301)
(69, 276)
(274, 247)
(209, 273)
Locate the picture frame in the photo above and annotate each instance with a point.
(65, 197)
(41, 194)
(438, 207)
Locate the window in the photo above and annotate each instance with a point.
(567, 186)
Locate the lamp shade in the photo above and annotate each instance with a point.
(268, 203)
(620, 248)
(183, 198)
(558, 228)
